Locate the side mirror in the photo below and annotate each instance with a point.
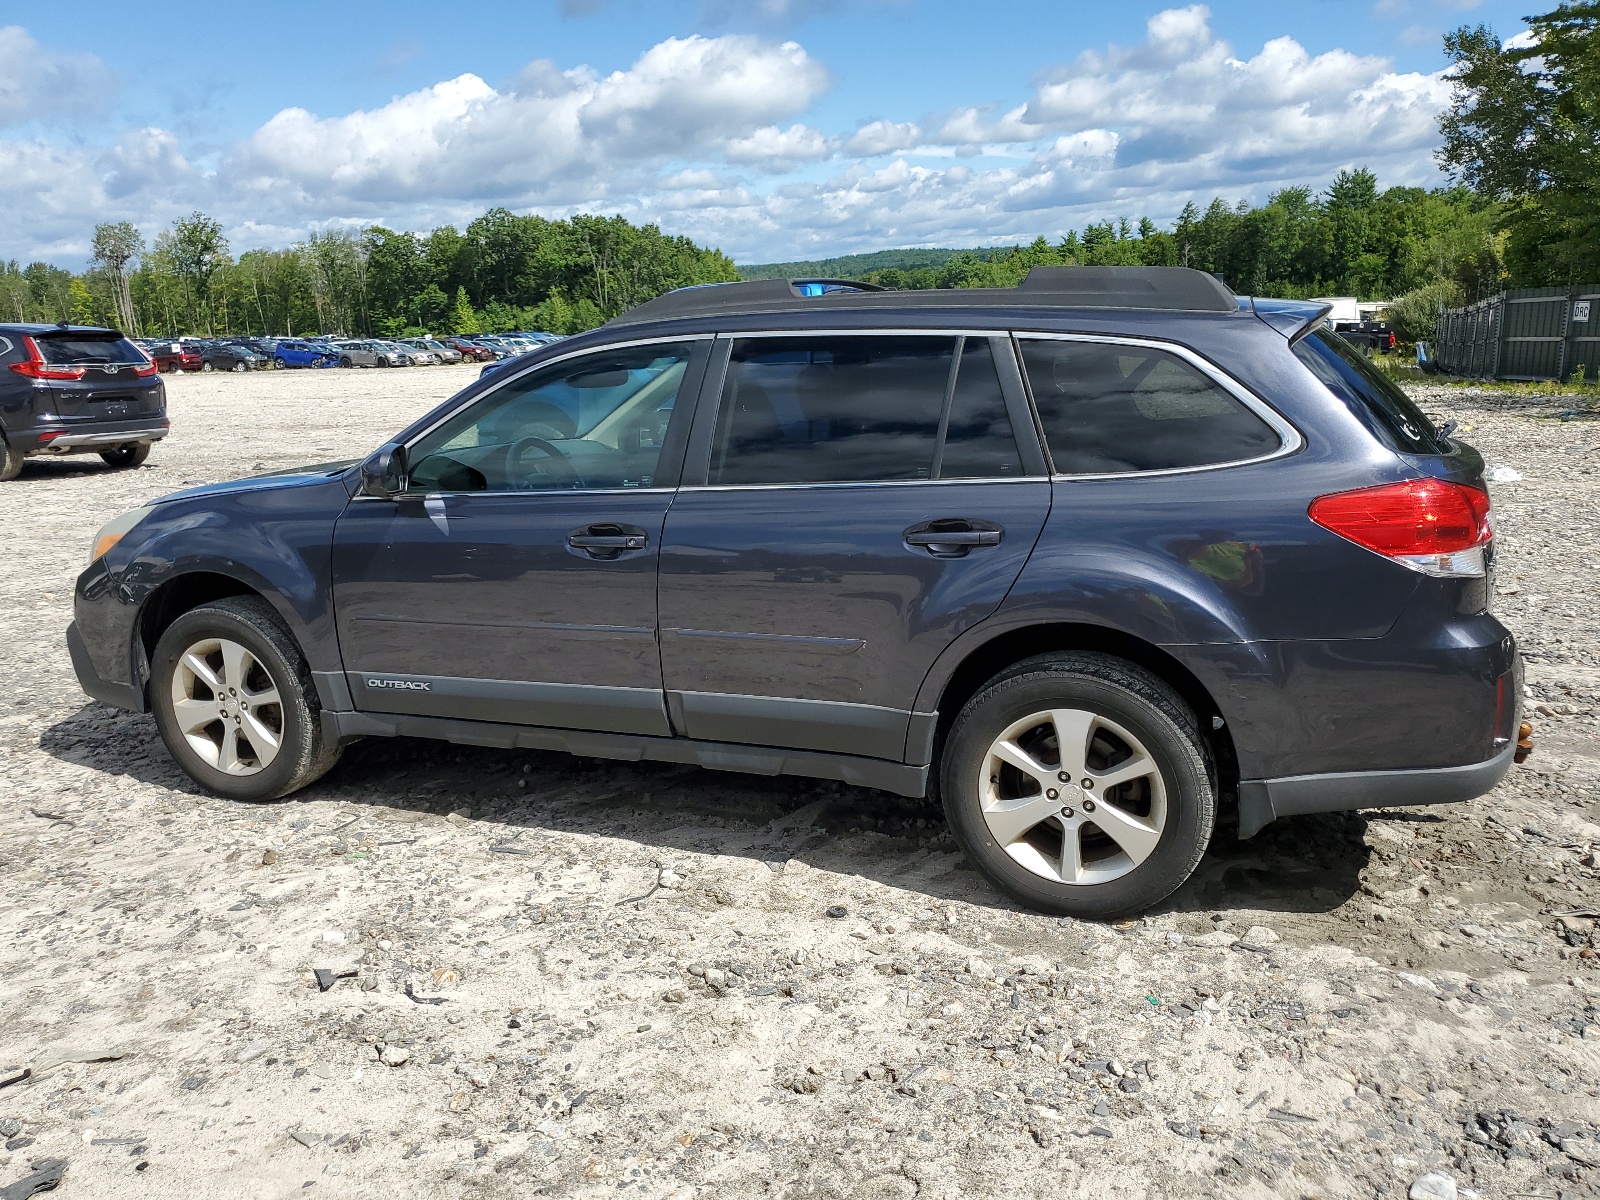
(384, 474)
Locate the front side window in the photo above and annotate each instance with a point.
(1112, 409)
(847, 409)
(598, 421)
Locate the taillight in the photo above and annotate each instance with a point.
(34, 366)
(1429, 525)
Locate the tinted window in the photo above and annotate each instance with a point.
(593, 422)
(75, 350)
(979, 442)
(1108, 409)
(831, 409)
(1349, 375)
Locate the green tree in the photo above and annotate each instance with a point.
(115, 246)
(194, 250)
(461, 318)
(1523, 128)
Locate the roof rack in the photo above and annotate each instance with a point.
(1171, 289)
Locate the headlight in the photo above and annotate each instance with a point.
(114, 531)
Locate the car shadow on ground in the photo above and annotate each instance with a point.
(1307, 865)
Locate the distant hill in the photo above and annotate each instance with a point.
(851, 266)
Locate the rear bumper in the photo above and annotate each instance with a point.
(118, 695)
(77, 439)
(1262, 801)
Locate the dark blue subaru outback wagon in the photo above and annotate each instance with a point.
(1087, 559)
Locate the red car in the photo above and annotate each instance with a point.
(470, 352)
(174, 356)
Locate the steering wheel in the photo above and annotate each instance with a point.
(552, 457)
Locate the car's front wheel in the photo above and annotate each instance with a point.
(1078, 783)
(207, 366)
(235, 704)
(240, 365)
(130, 455)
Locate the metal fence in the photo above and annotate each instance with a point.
(1533, 333)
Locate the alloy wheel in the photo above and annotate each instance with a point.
(1072, 796)
(227, 706)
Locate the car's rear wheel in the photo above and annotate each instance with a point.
(206, 366)
(279, 363)
(11, 460)
(344, 362)
(235, 704)
(130, 455)
(1078, 783)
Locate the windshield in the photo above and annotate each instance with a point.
(80, 349)
(1351, 376)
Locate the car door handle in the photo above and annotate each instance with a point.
(607, 541)
(953, 537)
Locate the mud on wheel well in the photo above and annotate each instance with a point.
(995, 656)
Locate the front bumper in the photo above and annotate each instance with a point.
(119, 695)
(1262, 801)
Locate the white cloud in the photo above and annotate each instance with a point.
(709, 136)
(39, 85)
(551, 136)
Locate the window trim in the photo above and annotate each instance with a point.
(1291, 441)
(697, 459)
(688, 394)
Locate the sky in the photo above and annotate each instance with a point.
(772, 129)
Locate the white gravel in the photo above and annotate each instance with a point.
(1337, 1008)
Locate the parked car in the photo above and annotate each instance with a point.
(261, 347)
(301, 352)
(469, 350)
(174, 356)
(228, 356)
(1375, 337)
(419, 356)
(76, 390)
(361, 353)
(1090, 559)
(442, 351)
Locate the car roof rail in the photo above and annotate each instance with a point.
(1170, 289)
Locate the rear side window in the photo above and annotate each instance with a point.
(1349, 375)
(1112, 409)
(78, 351)
(832, 409)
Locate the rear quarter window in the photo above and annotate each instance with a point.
(1370, 394)
(1110, 409)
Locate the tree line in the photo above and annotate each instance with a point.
(503, 272)
(1521, 145)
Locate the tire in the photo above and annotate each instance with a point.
(382, 362)
(131, 455)
(239, 637)
(239, 367)
(206, 366)
(11, 461)
(344, 362)
(279, 363)
(1123, 718)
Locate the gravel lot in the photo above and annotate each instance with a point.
(585, 978)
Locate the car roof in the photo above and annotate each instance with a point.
(27, 329)
(1147, 289)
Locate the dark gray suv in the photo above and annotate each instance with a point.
(76, 390)
(1087, 559)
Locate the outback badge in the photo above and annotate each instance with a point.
(399, 685)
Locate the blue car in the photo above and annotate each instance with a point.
(1090, 560)
(300, 352)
